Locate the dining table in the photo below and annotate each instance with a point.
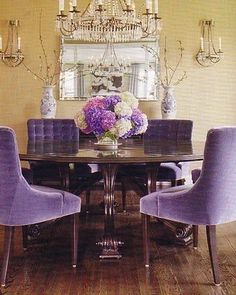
(131, 151)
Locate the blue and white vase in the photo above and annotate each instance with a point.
(168, 103)
(48, 103)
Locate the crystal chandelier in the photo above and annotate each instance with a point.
(109, 64)
(109, 20)
(207, 54)
(12, 55)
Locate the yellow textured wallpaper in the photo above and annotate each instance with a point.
(207, 96)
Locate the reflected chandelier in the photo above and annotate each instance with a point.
(109, 64)
(109, 20)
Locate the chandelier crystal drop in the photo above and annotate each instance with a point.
(109, 21)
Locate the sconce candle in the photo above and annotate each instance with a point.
(202, 45)
(219, 43)
(18, 43)
(156, 6)
(74, 3)
(0, 42)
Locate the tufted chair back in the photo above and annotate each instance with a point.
(176, 130)
(52, 129)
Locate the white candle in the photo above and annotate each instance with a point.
(219, 43)
(18, 43)
(74, 2)
(202, 45)
(147, 4)
(128, 2)
(61, 6)
(0, 42)
(100, 2)
(71, 6)
(156, 6)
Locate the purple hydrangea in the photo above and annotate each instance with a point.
(100, 116)
(110, 101)
(108, 120)
(137, 123)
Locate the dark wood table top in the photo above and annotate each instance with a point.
(131, 151)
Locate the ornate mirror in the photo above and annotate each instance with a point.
(90, 69)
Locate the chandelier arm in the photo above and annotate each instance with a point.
(65, 31)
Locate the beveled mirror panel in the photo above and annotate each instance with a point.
(79, 82)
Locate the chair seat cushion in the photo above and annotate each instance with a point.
(39, 204)
(152, 203)
(71, 203)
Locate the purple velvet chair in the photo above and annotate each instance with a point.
(53, 130)
(163, 130)
(22, 204)
(209, 201)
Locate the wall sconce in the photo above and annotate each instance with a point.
(12, 55)
(207, 54)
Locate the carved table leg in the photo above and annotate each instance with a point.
(109, 243)
(182, 232)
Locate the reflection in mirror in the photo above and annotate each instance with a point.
(82, 75)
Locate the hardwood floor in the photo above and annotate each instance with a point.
(45, 268)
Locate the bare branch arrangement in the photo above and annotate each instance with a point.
(48, 72)
(169, 71)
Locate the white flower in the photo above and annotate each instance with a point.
(130, 99)
(121, 127)
(122, 109)
(80, 120)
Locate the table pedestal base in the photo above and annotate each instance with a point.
(109, 243)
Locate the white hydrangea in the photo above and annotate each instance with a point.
(121, 127)
(122, 109)
(130, 99)
(80, 120)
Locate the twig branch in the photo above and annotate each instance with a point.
(168, 70)
(177, 65)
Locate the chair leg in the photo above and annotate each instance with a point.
(9, 230)
(195, 236)
(87, 199)
(75, 239)
(211, 240)
(123, 190)
(25, 237)
(146, 239)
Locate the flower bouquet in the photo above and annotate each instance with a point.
(112, 117)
